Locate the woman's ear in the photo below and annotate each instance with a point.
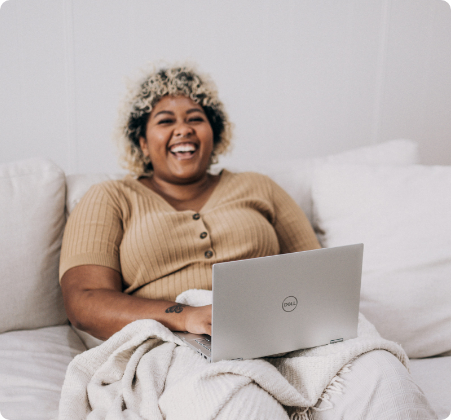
(143, 145)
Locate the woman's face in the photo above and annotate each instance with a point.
(179, 140)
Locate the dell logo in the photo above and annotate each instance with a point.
(289, 304)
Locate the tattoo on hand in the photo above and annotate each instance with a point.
(176, 308)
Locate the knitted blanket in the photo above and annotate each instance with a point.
(145, 372)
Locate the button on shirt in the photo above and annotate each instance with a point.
(202, 235)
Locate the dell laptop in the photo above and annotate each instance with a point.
(277, 304)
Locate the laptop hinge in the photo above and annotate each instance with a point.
(337, 340)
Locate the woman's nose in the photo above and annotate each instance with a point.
(182, 129)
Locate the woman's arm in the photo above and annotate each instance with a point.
(95, 303)
(292, 227)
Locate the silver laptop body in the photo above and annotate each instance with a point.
(277, 304)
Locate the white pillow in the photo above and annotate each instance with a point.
(32, 195)
(295, 175)
(403, 217)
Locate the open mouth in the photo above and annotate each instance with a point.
(183, 150)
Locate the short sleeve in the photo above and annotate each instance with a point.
(93, 232)
(292, 226)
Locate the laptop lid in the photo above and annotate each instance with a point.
(277, 304)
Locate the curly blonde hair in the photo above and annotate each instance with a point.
(145, 93)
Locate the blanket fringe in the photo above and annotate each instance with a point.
(301, 415)
(335, 387)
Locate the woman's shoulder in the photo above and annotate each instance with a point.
(246, 183)
(116, 186)
(246, 176)
(107, 191)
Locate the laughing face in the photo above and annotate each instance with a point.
(179, 140)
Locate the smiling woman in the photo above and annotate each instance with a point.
(131, 246)
(179, 81)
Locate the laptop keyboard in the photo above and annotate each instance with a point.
(204, 342)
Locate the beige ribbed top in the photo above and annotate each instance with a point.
(162, 252)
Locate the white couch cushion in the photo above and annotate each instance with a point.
(32, 195)
(32, 369)
(403, 217)
(295, 175)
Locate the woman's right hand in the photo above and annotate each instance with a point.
(198, 319)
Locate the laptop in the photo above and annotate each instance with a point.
(277, 304)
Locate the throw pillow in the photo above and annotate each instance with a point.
(32, 196)
(402, 215)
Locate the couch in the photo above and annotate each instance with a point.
(379, 195)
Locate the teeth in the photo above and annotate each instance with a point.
(182, 148)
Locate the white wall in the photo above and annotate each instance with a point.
(299, 78)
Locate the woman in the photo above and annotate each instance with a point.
(158, 234)
(131, 246)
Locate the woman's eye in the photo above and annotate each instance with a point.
(196, 119)
(167, 121)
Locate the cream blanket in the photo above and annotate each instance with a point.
(145, 372)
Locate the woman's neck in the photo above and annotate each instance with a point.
(189, 196)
